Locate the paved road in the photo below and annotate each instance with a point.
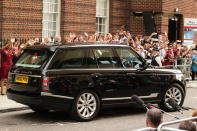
(124, 119)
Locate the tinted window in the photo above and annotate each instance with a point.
(91, 60)
(33, 58)
(105, 58)
(70, 58)
(129, 58)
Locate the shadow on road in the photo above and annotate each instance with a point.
(55, 117)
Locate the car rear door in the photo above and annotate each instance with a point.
(67, 72)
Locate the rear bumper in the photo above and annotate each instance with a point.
(44, 101)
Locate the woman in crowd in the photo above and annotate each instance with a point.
(169, 57)
(17, 51)
(6, 62)
(194, 63)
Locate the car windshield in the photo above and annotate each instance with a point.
(32, 58)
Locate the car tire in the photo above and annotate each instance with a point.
(175, 91)
(38, 109)
(86, 106)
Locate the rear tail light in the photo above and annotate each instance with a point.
(45, 84)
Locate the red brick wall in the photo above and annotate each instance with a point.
(137, 25)
(146, 5)
(137, 22)
(185, 7)
(1, 19)
(119, 14)
(78, 16)
(22, 19)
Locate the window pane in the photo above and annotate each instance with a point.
(56, 1)
(54, 25)
(129, 58)
(106, 58)
(103, 28)
(101, 14)
(97, 28)
(65, 59)
(56, 8)
(50, 25)
(54, 33)
(100, 28)
(49, 33)
(101, 5)
(32, 58)
(50, 8)
(91, 60)
(50, 15)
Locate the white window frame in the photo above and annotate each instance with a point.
(46, 30)
(105, 18)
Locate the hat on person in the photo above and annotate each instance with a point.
(155, 40)
(124, 38)
(155, 49)
(178, 41)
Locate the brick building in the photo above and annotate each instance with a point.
(47, 18)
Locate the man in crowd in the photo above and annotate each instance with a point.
(154, 118)
(57, 39)
(188, 126)
(156, 59)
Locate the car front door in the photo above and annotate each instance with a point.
(142, 82)
(109, 77)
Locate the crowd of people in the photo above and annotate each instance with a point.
(155, 47)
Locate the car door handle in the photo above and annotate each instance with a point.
(131, 73)
(96, 74)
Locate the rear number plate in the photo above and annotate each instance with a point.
(22, 79)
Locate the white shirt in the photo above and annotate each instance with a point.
(158, 59)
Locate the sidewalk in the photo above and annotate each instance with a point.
(191, 84)
(7, 105)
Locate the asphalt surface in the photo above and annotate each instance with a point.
(123, 119)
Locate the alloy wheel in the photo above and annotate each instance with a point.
(86, 105)
(174, 93)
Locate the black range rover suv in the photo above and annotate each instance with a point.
(83, 78)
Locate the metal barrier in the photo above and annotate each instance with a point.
(184, 65)
(160, 128)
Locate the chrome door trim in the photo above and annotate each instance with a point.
(58, 96)
(129, 98)
(38, 76)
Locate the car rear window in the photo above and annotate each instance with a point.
(33, 58)
(69, 58)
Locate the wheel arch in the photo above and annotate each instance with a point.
(179, 83)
